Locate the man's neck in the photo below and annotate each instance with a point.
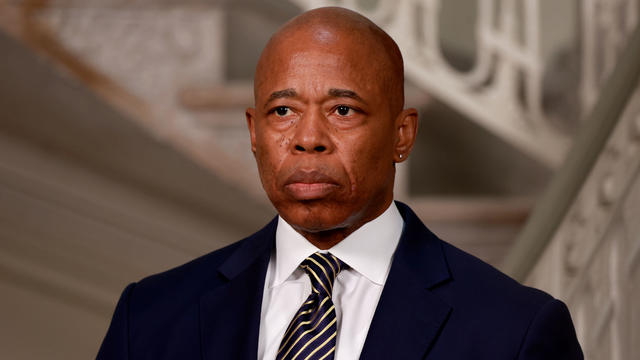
(326, 239)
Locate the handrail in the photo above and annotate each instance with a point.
(550, 210)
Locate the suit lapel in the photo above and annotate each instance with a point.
(409, 315)
(230, 313)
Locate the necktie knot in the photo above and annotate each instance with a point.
(322, 270)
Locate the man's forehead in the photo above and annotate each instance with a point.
(346, 54)
(338, 38)
(310, 66)
(323, 40)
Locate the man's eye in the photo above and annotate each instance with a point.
(343, 110)
(282, 110)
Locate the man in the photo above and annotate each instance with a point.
(343, 272)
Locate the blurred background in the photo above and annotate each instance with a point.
(124, 149)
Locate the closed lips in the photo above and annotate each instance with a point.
(311, 185)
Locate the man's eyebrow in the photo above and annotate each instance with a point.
(281, 94)
(345, 93)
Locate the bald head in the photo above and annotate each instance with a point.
(334, 29)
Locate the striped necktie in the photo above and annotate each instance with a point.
(311, 335)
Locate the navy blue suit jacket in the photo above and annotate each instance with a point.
(438, 303)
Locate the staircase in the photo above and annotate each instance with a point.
(138, 112)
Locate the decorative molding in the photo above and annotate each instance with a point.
(590, 260)
(149, 51)
(591, 141)
(605, 27)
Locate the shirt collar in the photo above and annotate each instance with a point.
(368, 250)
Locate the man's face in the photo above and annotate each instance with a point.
(323, 133)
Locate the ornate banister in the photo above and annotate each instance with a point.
(504, 90)
(560, 194)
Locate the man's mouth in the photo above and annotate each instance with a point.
(309, 185)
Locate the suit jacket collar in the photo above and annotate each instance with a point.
(406, 323)
(421, 251)
(409, 315)
(252, 248)
(230, 313)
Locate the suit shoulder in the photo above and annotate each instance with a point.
(488, 285)
(202, 266)
(488, 307)
(189, 280)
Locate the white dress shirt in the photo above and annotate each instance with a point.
(368, 251)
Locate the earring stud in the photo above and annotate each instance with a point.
(400, 156)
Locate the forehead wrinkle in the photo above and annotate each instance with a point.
(345, 93)
(279, 94)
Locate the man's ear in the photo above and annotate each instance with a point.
(406, 130)
(250, 114)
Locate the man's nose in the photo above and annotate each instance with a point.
(311, 134)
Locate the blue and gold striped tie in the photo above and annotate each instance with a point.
(311, 335)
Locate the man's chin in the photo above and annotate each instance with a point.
(316, 226)
(314, 219)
